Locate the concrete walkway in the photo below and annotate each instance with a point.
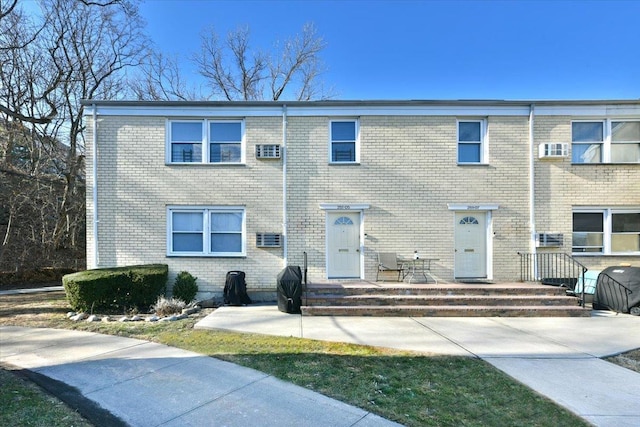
(138, 383)
(557, 357)
(146, 384)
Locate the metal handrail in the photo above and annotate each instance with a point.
(552, 268)
(610, 292)
(304, 277)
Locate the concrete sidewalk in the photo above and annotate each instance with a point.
(147, 384)
(557, 357)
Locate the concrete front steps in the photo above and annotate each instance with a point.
(442, 300)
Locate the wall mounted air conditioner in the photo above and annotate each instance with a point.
(267, 151)
(553, 150)
(268, 240)
(549, 240)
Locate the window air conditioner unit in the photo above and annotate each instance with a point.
(549, 240)
(268, 240)
(551, 150)
(267, 151)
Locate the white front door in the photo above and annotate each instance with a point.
(471, 245)
(343, 245)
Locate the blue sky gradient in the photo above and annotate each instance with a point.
(436, 49)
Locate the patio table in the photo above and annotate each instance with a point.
(420, 266)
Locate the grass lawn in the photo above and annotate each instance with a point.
(24, 404)
(412, 389)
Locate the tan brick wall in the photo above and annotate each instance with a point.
(560, 186)
(408, 174)
(135, 186)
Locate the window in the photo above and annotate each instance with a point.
(625, 142)
(206, 231)
(606, 231)
(225, 141)
(186, 142)
(344, 141)
(471, 141)
(605, 141)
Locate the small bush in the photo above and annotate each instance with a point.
(166, 307)
(116, 289)
(185, 287)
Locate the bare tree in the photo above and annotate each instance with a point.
(77, 50)
(235, 71)
(160, 78)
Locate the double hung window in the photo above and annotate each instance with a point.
(606, 231)
(471, 142)
(344, 141)
(605, 141)
(206, 141)
(215, 231)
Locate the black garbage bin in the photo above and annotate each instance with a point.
(235, 289)
(290, 289)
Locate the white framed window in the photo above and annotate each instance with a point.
(185, 141)
(472, 147)
(205, 141)
(605, 141)
(606, 231)
(344, 141)
(210, 231)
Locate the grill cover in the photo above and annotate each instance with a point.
(290, 289)
(610, 296)
(235, 289)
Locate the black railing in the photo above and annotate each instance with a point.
(552, 268)
(304, 277)
(612, 295)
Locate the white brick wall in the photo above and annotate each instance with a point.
(407, 175)
(560, 186)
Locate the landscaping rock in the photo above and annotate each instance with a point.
(153, 318)
(136, 318)
(106, 319)
(124, 319)
(93, 318)
(78, 317)
(190, 310)
(169, 319)
(70, 314)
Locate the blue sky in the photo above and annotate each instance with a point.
(436, 49)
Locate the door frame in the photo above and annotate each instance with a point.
(487, 209)
(336, 208)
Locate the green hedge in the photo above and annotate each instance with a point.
(116, 289)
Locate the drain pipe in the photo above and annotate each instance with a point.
(94, 162)
(532, 192)
(284, 186)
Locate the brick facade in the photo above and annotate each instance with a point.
(405, 184)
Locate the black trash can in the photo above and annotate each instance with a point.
(235, 289)
(290, 289)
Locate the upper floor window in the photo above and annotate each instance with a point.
(605, 141)
(344, 141)
(606, 231)
(186, 141)
(471, 141)
(206, 141)
(215, 231)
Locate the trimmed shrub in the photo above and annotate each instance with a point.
(116, 289)
(185, 287)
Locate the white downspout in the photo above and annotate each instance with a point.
(284, 186)
(532, 191)
(94, 153)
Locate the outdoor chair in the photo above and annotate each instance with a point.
(388, 261)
